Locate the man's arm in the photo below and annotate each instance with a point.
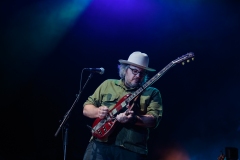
(139, 120)
(145, 120)
(92, 111)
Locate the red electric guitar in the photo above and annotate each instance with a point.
(102, 128)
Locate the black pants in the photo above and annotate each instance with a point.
(103, 151)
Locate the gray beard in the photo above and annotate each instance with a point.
(129, 85)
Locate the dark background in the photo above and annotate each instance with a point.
(46, 44)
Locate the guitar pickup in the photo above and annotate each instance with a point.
(114, 111)
(123, 104)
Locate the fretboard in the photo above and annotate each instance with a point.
(149, 82)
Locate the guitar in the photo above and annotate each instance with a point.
(102, 128)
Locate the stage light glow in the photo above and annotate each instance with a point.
(35, 30)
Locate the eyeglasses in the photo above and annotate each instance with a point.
(135, 72)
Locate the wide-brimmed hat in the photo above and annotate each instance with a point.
(138, 59)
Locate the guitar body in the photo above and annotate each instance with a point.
(102, 128)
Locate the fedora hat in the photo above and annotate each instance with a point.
(138, 59)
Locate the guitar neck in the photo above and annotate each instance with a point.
(159, 74)
(150, 82)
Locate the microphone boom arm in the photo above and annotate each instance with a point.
(66, 116)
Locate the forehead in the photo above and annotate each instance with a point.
(137, 68)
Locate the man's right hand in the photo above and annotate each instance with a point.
(102, 111)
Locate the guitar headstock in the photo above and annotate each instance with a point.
(184, 58)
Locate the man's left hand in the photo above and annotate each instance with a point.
(125, 116)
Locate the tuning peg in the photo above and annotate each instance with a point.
(193, 59)
(188, 61)
(183, 63)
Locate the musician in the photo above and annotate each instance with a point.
(129, 138)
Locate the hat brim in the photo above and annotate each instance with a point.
(134, 64)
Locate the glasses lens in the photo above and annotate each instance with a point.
(135, 71)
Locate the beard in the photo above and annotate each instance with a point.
(132, 84)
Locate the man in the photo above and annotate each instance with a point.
(129, 139)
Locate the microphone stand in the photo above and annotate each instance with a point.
(65, 141)
(66, 116)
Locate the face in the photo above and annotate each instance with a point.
(134, 76)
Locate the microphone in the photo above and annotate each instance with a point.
(97, 70)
